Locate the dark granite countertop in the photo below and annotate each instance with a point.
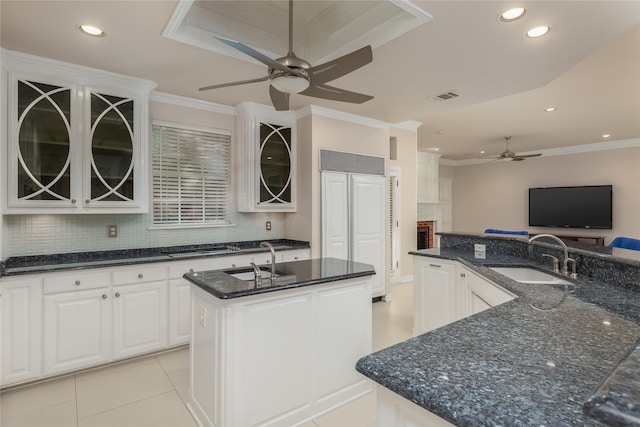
(575, 364)
(82, 260)
(292, 274)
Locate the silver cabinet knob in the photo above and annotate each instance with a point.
(104, 296)
(295, 258)
(73, 201)
(140, 276)
(87, 201)
(233, 265)
(77, 282)
(117, 294)
(191, 270)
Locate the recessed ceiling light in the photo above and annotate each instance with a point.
(92, 31)
(537, 31)
(550, 109)
(482, 152)
(512, 14)
(440, 132)
(606, 135)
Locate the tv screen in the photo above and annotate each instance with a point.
(571, 207)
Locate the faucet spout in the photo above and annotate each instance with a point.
(565, 261)
(273, 258)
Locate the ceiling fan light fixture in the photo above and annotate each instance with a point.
(290, 84)
(91, 30)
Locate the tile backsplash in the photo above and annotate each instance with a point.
(52, 234)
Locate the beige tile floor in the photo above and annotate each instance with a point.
(152, 391)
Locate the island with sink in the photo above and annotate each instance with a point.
(276, 344)
(505, 334)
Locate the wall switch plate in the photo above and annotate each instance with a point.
(112, 231)
(478, 247)
(268, 225)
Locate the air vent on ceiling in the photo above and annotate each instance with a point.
(445, 96)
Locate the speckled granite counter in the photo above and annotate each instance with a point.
(81, 260)
(514, 365)
(293, 274)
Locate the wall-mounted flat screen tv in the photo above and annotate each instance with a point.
(571, 207)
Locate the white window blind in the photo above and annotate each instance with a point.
(191, 176)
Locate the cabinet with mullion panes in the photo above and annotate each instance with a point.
(75, 148)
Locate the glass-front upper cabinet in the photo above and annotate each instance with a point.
(275, 163)
(265, 159)
(77, 138)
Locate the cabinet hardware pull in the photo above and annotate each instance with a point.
(140, 276)
(435, 265)
(77, 282)
(296, 258)
(463, 275)
(104, 296)
(87, 201)
(233, 265)
(117, 294)
(191, 270)
(73, 201)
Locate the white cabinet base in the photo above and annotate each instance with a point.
(281, 358)
(395, 410)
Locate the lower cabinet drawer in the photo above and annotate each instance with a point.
(70, 282)
(139, 275)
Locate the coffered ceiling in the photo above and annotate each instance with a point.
(588, 66)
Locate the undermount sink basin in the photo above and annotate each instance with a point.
(529, 275)
(248, 274)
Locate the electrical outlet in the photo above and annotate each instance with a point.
(481, 254)
(112, 231)
(268, 225)
(203, 316)
(478, 247)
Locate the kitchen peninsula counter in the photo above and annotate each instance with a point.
(514, 365)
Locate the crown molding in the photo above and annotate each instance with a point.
(314, 110)
(182, 101)
(411, 125)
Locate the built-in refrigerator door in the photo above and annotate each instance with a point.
(335, 215)
(367, 204)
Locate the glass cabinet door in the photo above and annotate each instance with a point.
(43, 142)
(112, 144)
(275, 164)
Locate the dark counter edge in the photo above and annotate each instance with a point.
(270, 289)
(31, 264)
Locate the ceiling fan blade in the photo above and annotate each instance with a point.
(241, 82)
(259, 56)
(335, 94)
(280, 100)
(339, 67)
(526, 156)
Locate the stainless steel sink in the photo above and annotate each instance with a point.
(249, 275)
(529, 275)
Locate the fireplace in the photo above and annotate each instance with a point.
(425, 234)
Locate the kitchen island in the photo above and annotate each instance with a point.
(573, 364)
(281, 351)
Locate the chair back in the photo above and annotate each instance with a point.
(494, 231)
(626, 243)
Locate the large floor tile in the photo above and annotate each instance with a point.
(61, 415)
(359, 413)
(164, 410)
(174, 360)
(112, 387)
(31, 398)
(180, 381)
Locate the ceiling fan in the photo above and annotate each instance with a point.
(508, 154)
(291, 74)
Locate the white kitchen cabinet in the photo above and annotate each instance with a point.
(77, 138)
(446, 291)
(395, 410)
(427, 177)
(294, 255)
(77, 330)
(271, 359)
(266, 159)
(139, 318)
(436, 294)
(179, 312)
(481, 294)
(353, 221)
(21, 330)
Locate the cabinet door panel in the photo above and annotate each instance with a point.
(435, 296)
(179, 312)
(21, 332)
(76, 330)
(335, 215)
(139, 318)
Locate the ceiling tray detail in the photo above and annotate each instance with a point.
(324, 30)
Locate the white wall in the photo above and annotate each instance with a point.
(495, 194)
